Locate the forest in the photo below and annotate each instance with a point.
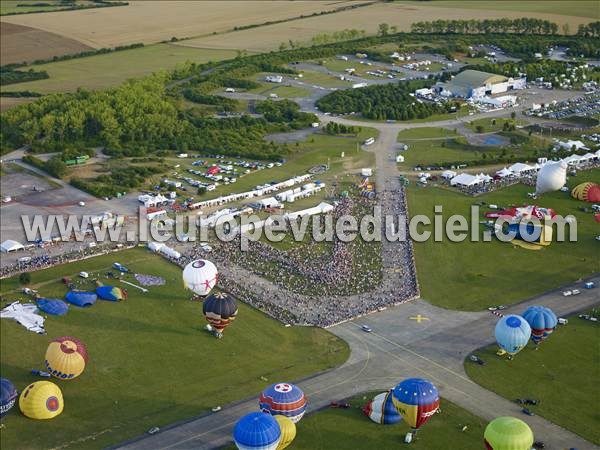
(382, 102)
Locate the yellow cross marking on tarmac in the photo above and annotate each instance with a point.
(419, 318)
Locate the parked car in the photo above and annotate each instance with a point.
(527, 411)
(343, 405)
(366, 328)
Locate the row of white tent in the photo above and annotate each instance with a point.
(159, 247)
(517, 169)
(251, 194)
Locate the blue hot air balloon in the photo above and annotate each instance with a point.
(512, 333)
(257, 431)
(81, 298)
(52, 306)
(416, 399)
(542, 322)
(8, 396)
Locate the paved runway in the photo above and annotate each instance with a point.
(398, 347)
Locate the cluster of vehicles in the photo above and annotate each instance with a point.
(584, 106)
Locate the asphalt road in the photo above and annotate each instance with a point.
(398, 347)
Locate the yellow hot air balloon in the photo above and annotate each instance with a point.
(41, 400)
(288, 431)
(66, 358)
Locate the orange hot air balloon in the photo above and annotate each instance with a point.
(66, 358)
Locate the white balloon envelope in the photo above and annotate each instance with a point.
(551, 177)
(200, 276)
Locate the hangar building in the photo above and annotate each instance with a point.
(475, 84)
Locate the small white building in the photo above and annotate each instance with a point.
(366, 172)
(10, 246)
(274, 78)
(399, 158)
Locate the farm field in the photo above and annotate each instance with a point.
(151, 363)
(25, 44)
(473, 275)
(399, 14)
(350, 429)
(150, 22)
(581, 8)
(11, 6)
(11, 102)
(561, 384)
(103, 71)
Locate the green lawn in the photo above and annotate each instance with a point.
(442, 151)
(281, 90)
(151, 363)
(102, 71)
(316, 149)
(581, 8)
(322, 79)
(474, 275)
(563, 373)
(350, 429)
(491, 125)
(425, 133)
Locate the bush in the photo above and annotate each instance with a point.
(25, 278)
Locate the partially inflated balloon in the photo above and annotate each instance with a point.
(66, 358)
(417, 400)
(542, 321)
(551, 177)
(382, 410)
(508, 433)
(288, 431)
(41, 400)
(8, 396)
(200, 276)
(512, 333)
(257, 431)
(111, 293)
(587, 192)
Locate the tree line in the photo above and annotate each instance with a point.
(9, 75)
(524, 25)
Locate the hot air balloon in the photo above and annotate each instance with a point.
(551, 177)
(41, 400)
(257, 431)
(220, 310)
(507, 433)
(80, 298)
(200, 276)
(111, 293)
(512, 333)
(288, 431)
(52, 306)
(542, 322)
(382, 410)
(8, 395)
(283, 398)
(66, 358)
(587, 192)
(417, 400)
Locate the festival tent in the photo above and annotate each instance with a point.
(448, 174)
(170, 252)
(519, 168)
(504, 173)
(10, 246)
(155, 246)
(465, 179)
(572, 160)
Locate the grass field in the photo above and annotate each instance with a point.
(350, 429)
(282, 91)
(150, 361)
(468, 275)
(102, 71)
(316, 149)
(442, 151)
(491, 125)
(322, 79)
(425, 133)
(563, 373)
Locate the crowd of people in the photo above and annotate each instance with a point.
(310, 287)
